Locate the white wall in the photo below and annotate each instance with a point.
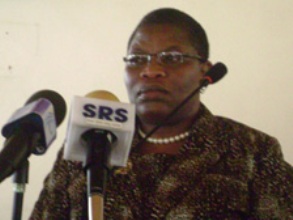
(75, 47)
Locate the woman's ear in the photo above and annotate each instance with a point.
(205, 67)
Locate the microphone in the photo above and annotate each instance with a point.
(31, 129)
(100, 133)
(100, 110)
(215, 74)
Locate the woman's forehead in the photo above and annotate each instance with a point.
(160, 36)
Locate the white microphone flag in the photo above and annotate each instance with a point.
(92, 113)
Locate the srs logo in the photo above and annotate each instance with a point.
(105, 113)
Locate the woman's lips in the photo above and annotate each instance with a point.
(152, 93)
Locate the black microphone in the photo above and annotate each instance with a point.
(215, 74)
(31, 129)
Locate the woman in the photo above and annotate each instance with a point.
(196, 165)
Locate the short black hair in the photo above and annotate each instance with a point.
(197, 34)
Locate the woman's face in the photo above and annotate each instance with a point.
(156, 88)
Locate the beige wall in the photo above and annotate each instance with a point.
(75, 47)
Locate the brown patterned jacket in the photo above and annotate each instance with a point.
(225, 170)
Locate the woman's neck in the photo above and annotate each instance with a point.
(167, 139)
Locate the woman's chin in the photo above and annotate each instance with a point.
(152, 114)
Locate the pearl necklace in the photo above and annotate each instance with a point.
(168, 140)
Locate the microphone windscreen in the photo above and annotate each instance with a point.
(57, 101)
(216, 73)
(102, 94)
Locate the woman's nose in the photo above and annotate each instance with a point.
(153, 70)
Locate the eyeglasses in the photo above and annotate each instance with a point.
(171, 58)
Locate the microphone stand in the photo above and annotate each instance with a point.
(98, 143)
(20, 178)
(23, 143)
